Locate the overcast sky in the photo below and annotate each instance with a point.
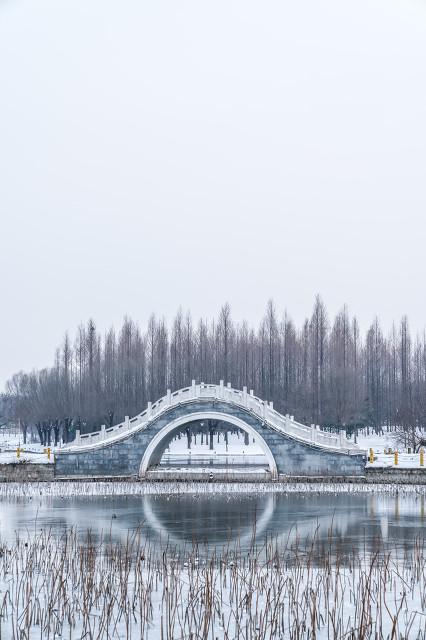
(167, 153)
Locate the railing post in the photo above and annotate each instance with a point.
(221, 389)
(169, 397)
(103, 432)
(194, 389)
(287, 422)
(77, 436)
(244, 396)
(271, 404)
(342, 436)
(313, 432)
(127, 422)
(149, 410)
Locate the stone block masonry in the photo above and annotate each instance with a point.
(26, 472)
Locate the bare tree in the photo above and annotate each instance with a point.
(320, 372)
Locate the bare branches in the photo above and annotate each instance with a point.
(322, 372)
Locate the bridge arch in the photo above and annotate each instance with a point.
(155, 444)
(290, 448)
(154, 522)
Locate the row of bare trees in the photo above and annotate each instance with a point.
(323, 371)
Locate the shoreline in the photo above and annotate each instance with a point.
(78, 488)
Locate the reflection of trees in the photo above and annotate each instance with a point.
(344, 521)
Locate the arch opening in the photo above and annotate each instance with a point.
(208, 444)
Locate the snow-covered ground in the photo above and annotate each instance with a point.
(377, 442)
(385, 442)
(9, 457)
(33, 453)
(405, 461)
(235, 446)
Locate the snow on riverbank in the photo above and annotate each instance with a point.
(405, 461)
(26, 457)
(30, 453)
(387, 441)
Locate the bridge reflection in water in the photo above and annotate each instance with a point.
(357, 520)
(213, 448)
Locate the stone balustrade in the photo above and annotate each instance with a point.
(286, 425)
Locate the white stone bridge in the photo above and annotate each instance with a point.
(135, 446)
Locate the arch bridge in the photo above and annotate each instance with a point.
(135, 446)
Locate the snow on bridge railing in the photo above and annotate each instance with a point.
(284, 424)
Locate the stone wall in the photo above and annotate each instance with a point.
(124, 456)
(26, 472)
(391, 475)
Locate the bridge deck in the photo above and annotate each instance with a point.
(264, 410)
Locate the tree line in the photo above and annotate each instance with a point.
(323, 372)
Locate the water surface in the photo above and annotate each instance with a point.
(219, 520)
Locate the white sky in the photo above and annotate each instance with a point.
(157, 154)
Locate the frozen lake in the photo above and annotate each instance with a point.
(221, 519)
(335, 557)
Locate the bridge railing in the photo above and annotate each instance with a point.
(264, 410)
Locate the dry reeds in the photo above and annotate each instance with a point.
(10, 490)
(94, 588)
